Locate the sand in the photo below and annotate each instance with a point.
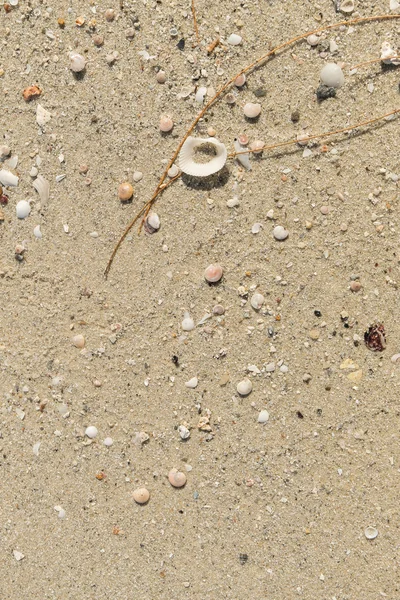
(275, 510)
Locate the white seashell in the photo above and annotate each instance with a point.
(189, 166)
(192, 383)
(394, 5)
(152, 222)
(23, 209)
(332, 75)
(307, 152)
(173, 171)
(388, 55)
(77, 62)
(257, 146)
(252, 110)
(257, 300)
(33, 172)
(145, 55)
(280, 233)
(347, 6)
(36, 448)
(8, 178)
(42, 115)
(395, 358)
(244, 387)
(256, 228)
(232, 202)
(240, 80)
(200, 94)
(108, 442)
(12, 162)
(371, 533)
(263, 416)
(37, 233)
(313, 40)
(303, 139)
(234, 39)
(18, 555)
(244, 159)
(4, 151)
(91, 432)
(42, 187)
(187, 323)
(184, 432)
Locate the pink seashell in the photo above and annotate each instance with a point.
(213, 273)
(166, 124)
(177, 478)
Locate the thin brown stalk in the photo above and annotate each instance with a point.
(196, 29)
(147, 207)
(372, 61)
(317, 135)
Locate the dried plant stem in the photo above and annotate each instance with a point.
(196, 29)
(160, 187)
(374, 60)
(318, 135)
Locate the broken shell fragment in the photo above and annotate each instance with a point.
(187, 323)
(243, 157)
(388, 55)
(43, 116)
(7, 178)
(31, 92)
(177, 478)
(213, 273)
(257, 300)
(42, 187)
(197, 169)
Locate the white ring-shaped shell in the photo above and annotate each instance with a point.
(189, 166)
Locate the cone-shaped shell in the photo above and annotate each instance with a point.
(189, 166)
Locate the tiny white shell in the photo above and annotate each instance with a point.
(240, 80)
(244, 159)
(23, 209)
(192, 383)
(388, 55)
(263, 416)
(187, 323)
(152, 222)
(252, 110)
(200, 94)
(184, 432)
(91, 432)
(244, 387)
(8, 178)
(189, 166)
(347, 6)
(77, 62)
(257, 300)
(37, 233)
(371, 533)
(173, 171)
(234, 39)
(280, 233)
(332, 75)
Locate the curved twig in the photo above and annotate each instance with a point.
(144, 211)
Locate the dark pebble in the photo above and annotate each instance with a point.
(260, 93)
(295, 116)
(324, 92)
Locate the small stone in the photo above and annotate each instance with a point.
(125, 191)
(18, 555)
(183, 432)
(152, 223)
(234, 39)
(98, 40)
(108, 442)
(263, 416)
(31, 92)
(192, 383)
(371, 533)
(43, 116)
(161, 76)
(257, 300)
(332, 75)
(137, 176)
(307, 377)
(188, 323)
(244, 387)
(260, 92)
(176, 478)
(295, 116)
(232, 202)
(280, 233)
(355, 286)
(141, 496)
(166, 124)
(78, 341)
(313, 40)
(91, 432)
(324, 91)
(314, 334)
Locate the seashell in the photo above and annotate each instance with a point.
(177, 478)
(313, 40)
(78, 341)
(213, 273)
(371, 533)
(173, 171)
(234, 39)
(37, 233)
(232, 202)
(184, 432)
(125, 191)
(256, 228)
(42, 115)
(263, 416)
(12, 162)
(23, 209)
(257, 146)
(42, 187)
(166, 124)
(252, 110)
(347, 6)
(91, 432)
(244, 159)
(280, 233)
(240, 80)
(161, 76)
(388, 55)
(189, 166)
(145, 55)
(257, 300)
(244, 387)
(4, 151)
(77, 62)
(8, 178)
(200, 94)
(141, 495)
(152, 223)
(187, 323)
(394, 5)
(332, 75)
(192, 383)
(230, 99)
(243, 139)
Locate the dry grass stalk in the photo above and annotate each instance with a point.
(196, 29)
(144, 211)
